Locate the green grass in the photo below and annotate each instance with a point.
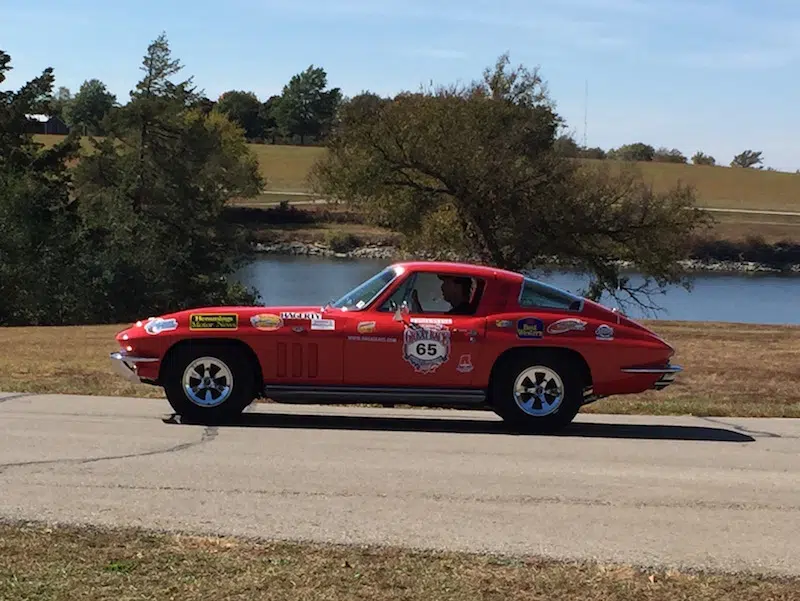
(40, 563)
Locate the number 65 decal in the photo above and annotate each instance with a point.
(426, 348)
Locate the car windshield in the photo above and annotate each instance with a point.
(363, 294)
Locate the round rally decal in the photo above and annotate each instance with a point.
(426, 348)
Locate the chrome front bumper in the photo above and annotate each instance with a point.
(125, 365)
(667, 372)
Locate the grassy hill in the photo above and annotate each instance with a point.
(286, 168)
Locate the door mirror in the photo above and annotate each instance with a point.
(401, 314)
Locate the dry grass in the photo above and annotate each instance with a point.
(738, 227)
(728, 187)
(39, 562)
(319, 232)
(731, 369)
(286, 168)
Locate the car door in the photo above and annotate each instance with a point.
(424, 349)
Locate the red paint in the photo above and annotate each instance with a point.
(294, 353)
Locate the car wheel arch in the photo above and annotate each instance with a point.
(216, 341)
(533, 351)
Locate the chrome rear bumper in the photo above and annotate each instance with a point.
(668, 373)
(125, 365)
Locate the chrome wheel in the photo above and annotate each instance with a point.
(207, 381)
(538, 391)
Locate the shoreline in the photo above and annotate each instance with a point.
(393, 253)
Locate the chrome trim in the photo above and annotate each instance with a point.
(124, 365)
(668, 373)
(669, 369)
(123, 356)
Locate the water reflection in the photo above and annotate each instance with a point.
(283, 280)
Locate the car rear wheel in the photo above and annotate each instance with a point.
(538, 391)
(208, 382)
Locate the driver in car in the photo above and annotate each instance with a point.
(455, 290)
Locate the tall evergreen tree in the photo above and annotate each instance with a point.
(153, 195)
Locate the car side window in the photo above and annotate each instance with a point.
(539, 295)
(444, 293)
(395, 301)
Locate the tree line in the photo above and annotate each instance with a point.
(133, 229)
(138, 227)
(303, 112)
(306, 111)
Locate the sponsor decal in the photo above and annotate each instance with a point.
(365, 327)
(530, 327)
(372, 339)
(604, 332)
(304, 315)
(323, 324)
(213, 321)
(426, 348)
(504, 323)
(464, 364)
(156, 325)
(266, 322)
(433, 321)
(570, 324)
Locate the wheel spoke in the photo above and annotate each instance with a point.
(207, 381)
(538, 391)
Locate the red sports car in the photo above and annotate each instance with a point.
(416, 333)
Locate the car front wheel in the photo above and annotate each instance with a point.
(538, 391)
(208, 382)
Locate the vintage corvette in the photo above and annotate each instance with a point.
(416, 333)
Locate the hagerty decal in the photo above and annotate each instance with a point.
(426, 348)
(266, 322)
(530, 327)
(213, 321)
(305, 316)
(569, 324)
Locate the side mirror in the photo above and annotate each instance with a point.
(402, 313)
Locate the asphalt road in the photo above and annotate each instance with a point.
(715, 493)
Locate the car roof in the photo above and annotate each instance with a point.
(458, 268)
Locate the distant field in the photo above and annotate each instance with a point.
(286, 168)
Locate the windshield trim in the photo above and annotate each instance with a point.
(395, 270)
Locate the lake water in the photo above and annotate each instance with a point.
(758, 298)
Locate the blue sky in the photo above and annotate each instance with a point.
(717, 76)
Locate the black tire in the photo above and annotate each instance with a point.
(225, 356)
(572, 378)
